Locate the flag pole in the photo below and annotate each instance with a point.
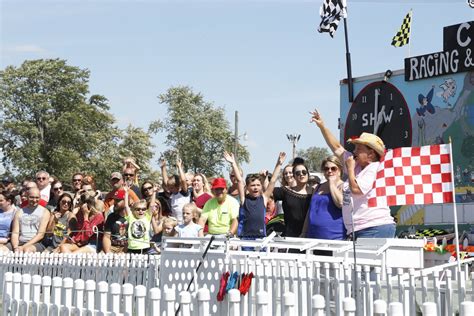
(456, 232)
(348, 63)
(354, 268)
(411, 28)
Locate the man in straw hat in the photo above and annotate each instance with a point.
(361, 167)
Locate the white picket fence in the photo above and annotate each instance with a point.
(307, 275)
(113, 268)
(42, 296)
(25, 294)
(119, 284)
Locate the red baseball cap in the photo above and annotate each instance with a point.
(119, 194)
(219, 183)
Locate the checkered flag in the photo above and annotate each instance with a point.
(403, 35)
(414, 175)
(331, 13)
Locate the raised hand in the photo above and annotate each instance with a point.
(350, 163)
(179, 162)
(332, 178)
(85, 210)
(281, 158)
(126, 187)
(162, 163)
(316, 118)
(229, 157)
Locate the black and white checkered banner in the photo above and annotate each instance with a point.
(332, 11)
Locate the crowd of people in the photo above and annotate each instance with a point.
(40, 216)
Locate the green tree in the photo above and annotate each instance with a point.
(47, 122)
(196, 130)
(313, 157)
(136, 143)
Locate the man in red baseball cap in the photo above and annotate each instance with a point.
(220, 212)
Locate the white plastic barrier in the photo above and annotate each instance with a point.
(306, 275)
(24, 293)
(120, 268)
(291, 280)
(65, 296)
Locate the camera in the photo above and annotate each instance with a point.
(87, 197)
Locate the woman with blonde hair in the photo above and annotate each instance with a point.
(200, 190)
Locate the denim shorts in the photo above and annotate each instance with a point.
(382, 231)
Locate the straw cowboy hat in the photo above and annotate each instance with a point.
(369, 140)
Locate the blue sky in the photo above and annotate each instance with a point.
(263, 58)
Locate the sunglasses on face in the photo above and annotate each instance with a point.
(301, 173)
(147, 188)
(143, 209)
(41, 178)
(57, 188)
(333, 169)
(76, 180)
(128, 174)
(64, 202)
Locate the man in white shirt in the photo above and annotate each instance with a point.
(42, 181)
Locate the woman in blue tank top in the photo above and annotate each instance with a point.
(324, 217)
(7, 211)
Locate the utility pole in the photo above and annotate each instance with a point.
(236, 134)
(293, 138)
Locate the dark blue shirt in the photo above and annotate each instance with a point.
(252, 217)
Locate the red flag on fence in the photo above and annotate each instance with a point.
(414, 175)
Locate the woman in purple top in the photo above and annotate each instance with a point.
(324, 218)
